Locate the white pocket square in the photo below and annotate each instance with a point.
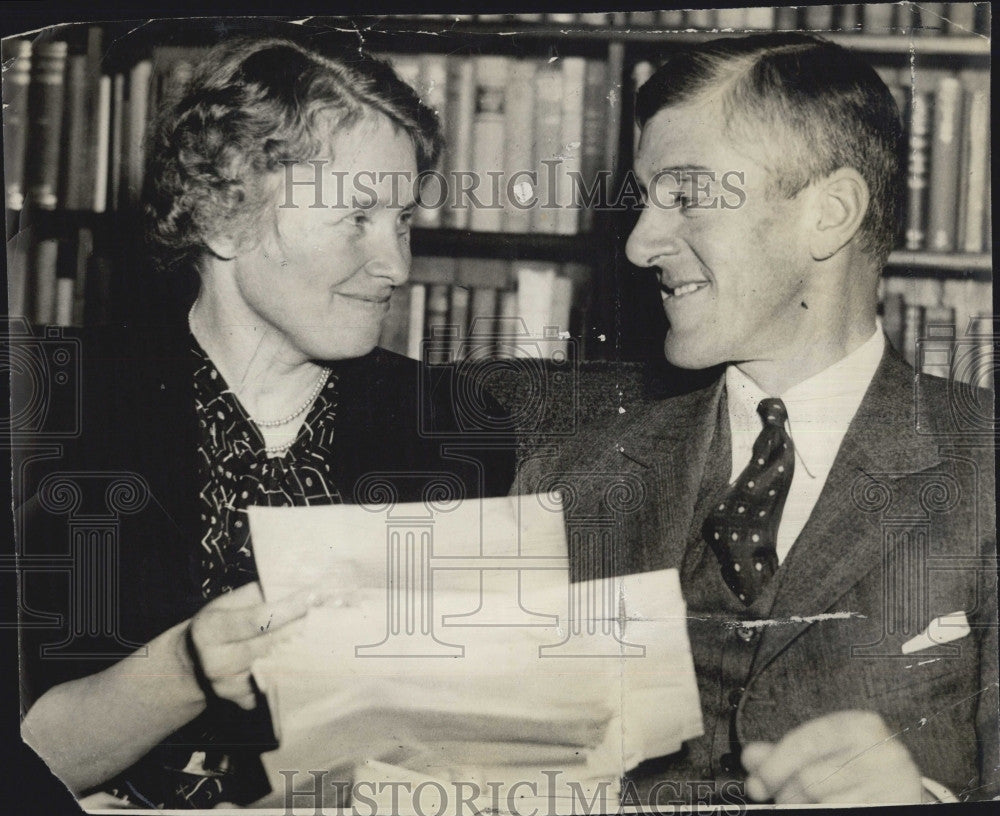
(940, 630)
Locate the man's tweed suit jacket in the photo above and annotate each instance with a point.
(903, 533)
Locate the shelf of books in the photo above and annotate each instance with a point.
(550, 92)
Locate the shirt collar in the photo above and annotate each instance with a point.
(820, 408)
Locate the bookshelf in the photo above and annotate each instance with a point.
(611, 307)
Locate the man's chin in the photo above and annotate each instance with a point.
(689, 354)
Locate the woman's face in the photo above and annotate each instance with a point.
(335, 246)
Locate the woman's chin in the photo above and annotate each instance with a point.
(340, 347)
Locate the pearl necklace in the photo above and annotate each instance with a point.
(324, 375)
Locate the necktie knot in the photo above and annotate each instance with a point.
(772, 411)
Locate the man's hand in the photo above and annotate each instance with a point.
(841, 758)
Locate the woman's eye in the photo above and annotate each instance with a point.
(405, 221)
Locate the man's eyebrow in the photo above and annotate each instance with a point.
(681, 169)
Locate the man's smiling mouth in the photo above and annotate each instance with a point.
(673, 292)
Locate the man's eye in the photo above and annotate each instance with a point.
(360, 219)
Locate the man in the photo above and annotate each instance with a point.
(834, 535)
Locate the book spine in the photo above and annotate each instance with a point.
(595, 133)
(848, 18)
(571, 142)
(938, 344)
(84, 254)
(945, 165)
(461, 107)
(436, 316)
(102, 141)
(818, 18)
(760, 18)
(961, 19)
(72, 161)
(17, 273)
(45, 113)
(731, 19)
(519, 124)
(16, 76)
(415, 324)
(458, 320)
(671, 19)
(117, 140)
(645, 19)
(135, 146)
(434, 81)
(92, 121)
(64, 302)
(878, 18)
(916, 177)
(594, 18)
(932, 19)
(894, 318)
(547, 148)
(641, 72)
(559, 314)
(786, 18)
(913, 327)
(488, 143)
(42, 274)
(975, 160)
(482, 320)
(535, 292)
(700, 19)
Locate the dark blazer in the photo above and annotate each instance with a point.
(108, 489)
(903, 532)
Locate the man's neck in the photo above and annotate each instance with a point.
(800, 361)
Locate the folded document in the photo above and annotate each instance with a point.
(464, 647)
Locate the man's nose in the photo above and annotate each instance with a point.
(654, 235)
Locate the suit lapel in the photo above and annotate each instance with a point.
(669, 447)
(835, 549)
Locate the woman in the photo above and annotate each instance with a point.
(272, 392)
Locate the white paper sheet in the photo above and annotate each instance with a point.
(464, 653)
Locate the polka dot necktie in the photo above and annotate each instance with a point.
(742, 527)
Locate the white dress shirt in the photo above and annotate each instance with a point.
(819, 411)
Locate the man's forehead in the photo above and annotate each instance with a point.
(680, 136)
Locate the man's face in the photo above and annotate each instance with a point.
(730, 256)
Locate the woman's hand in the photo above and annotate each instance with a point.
(228, 634)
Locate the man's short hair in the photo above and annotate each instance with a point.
(806, 107)
(253, 105)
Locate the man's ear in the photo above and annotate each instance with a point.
(841, 204)
(222, 246)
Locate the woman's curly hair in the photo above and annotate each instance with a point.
(251, 106)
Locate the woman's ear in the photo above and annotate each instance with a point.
(222, 246)
(842, 201)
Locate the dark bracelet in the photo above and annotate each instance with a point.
(198, 670)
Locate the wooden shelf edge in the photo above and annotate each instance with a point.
(973, 45)
(943, 264)
(583, 247)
